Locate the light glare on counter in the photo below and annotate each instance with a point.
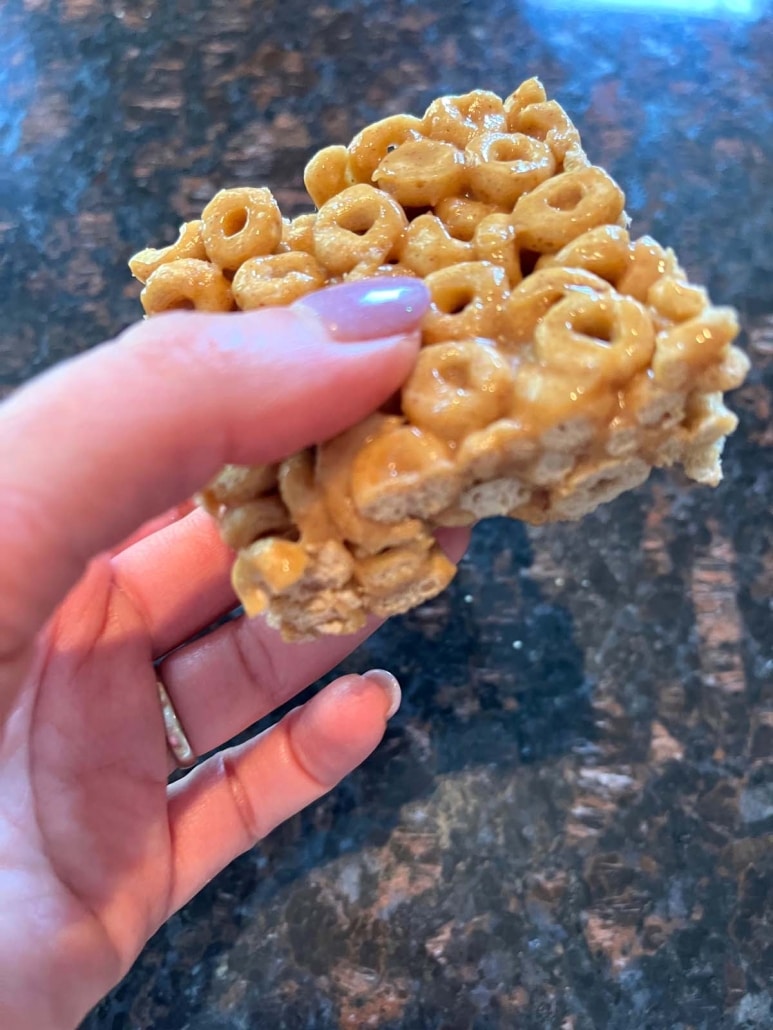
(696, 8)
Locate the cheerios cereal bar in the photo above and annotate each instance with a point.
(562, 359)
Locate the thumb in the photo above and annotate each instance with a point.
(117, 435)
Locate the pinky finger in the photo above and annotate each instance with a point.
(234, 799)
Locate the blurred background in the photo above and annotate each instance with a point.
(570, 823)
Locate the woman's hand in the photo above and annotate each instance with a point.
(96, 850)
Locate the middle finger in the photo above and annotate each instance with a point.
(179, 578)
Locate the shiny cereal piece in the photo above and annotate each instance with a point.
(427, 246)
(565, 206)
(547, 398)
(266, 568)
(359, 226)
(392, 571)
(502, 447)
(596, 337)
(604, 251)
(239, 224)
(275, 280)
(248, 522)
(707, 419)
(502, 167)
(574, 160)
(322, 599)
(688, 348)
(189, 244)
(727, 374)
(403, 577)
(647, 262)
(391, 268)
(333, 565)
(298, 234)
(186, 284)
(304, 499)
(237, 484)
(457, 119)
(529, 92)
(403, 472)
(531, 299)
(369, 147)
(675, 300)
(457, 388)
(467, 300)
(546, 121)
(462, 215)
(333, 474)
(421, 173)
(326, 174)
(495, 241)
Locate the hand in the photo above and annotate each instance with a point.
(96, 850)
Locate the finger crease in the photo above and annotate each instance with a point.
(122, 585)
(298, 759)
(257, 664)
(245, 810)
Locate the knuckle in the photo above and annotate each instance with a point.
(256, 664)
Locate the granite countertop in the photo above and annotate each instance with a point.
(570, 823)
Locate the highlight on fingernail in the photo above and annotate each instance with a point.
(368, 309)
(389, 686)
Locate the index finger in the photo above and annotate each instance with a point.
(114, 437)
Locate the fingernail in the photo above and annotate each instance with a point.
(389, 685)
(368, 309)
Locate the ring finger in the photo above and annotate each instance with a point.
(242, 671)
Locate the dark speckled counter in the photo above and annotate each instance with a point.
(570, 823)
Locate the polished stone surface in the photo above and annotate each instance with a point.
(570, 822)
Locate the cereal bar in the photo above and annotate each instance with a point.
(562, 359)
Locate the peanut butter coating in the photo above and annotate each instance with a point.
(562, 359)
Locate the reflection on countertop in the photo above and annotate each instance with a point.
(570, 822)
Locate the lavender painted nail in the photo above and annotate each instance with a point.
(369, 309)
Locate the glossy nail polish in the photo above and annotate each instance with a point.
(368, 309)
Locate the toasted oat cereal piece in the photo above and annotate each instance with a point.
(187, 284)
(562, 359)
(275, 279)
(239, 224)
(189, 244)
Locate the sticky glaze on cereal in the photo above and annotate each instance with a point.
(562, 360)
